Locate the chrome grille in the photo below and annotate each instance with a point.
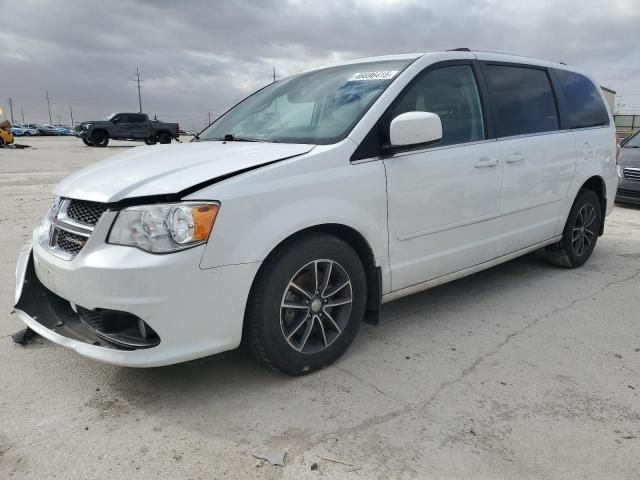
(632, 174)
(71, 223)
(84, 212)
(67, 241)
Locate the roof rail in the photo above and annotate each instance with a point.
(459, 49)
(512, 54)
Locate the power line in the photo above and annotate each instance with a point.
(139, 94)
(11, 108)
(49, 107)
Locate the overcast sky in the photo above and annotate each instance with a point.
(200, 56)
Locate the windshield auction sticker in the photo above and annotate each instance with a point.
(384, 75)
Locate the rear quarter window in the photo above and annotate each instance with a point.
(523, 100)
(582, 102)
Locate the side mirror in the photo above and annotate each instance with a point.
(414, 128)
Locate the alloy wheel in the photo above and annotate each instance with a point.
(316, 306)
(582, 235)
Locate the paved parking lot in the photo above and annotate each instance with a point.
(522, 371)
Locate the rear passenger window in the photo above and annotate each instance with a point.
(451, 92)
(582, 100)
(523, 100)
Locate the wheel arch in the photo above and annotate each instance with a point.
(598, 186)
(101, 130)
(361, 246)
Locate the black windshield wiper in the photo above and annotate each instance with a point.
(232, 138)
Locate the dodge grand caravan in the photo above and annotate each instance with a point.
(302, 209)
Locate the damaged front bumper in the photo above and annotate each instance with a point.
(126, 307)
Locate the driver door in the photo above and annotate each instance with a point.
(443, 199)
(121, 126)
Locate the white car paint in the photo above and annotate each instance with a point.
(167, 169)
(428, 216)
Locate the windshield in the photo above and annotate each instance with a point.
(633, 142)
(319, 107)
(110, 116)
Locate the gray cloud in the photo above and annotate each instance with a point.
(198, 56)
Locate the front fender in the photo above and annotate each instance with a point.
(261, 208)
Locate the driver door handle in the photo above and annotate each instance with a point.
(486, 162)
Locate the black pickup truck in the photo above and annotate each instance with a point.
(126, 126)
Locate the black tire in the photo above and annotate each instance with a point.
(151, 141)
(580, 233)
(267, 322)
(1, 142)
(164, 137)
(99, 139)
(87, 142)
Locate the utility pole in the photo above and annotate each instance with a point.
(139, 95)
(11, 108)
(71, 114)
(49, 107)
(22, 110)
(209, 113)
(275, 77)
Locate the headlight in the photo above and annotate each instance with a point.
(44, 233)
(164, 228)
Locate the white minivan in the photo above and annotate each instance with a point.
(302, 209)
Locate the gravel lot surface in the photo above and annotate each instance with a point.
(522, 371)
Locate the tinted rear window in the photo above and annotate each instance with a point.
(582, 100)
(523, 100)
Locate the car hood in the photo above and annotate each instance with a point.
(630, 157)
(170, 169)
(95, 122)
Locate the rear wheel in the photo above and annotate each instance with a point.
(164, 137)
(100, 139)
(580, 232)
(306, 305)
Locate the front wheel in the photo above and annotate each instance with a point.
(87, 142)
(306, 304)
(580, 232)
(151, 141)
(100, 139)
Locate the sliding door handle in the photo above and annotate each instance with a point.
(486, 162)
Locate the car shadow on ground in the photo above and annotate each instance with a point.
(224, 372)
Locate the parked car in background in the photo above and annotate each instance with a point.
(6, 137)
(126, 126)
(23, 130)
(629, 171)
(63, 130)
(315, 200)
(43, 129)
